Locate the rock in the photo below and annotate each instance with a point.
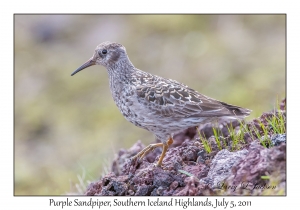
(123, 158)
(162, 179)
(193, 187)
(221, 166)
(277, 139)
(283, 105)
(201, 156)
(109, 185)
(260, 162)
(144, 190)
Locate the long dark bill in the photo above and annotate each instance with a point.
(89, 63)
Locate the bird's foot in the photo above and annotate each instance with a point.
(150, 148)
(163, 154)
(159, 166)
(146, 151)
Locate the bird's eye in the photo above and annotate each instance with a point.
(104, 51)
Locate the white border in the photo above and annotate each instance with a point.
(8, 201)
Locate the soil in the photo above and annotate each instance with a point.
(248, 167)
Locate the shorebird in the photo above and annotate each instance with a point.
(162, 106)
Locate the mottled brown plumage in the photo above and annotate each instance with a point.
(162, 106)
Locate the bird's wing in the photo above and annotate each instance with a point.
(170, 98)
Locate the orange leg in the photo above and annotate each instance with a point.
(165, 148)
(146, 150)
(151, 147)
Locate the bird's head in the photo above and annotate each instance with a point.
(107, 54)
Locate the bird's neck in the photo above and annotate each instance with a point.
(121, 70)
(120, 79)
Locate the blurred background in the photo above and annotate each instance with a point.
(67, 129)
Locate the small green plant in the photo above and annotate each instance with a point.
(260, 129)
(205, 142)
(186, 173)
(245, 129)
(216, 135)
(236, 137)
(277, 123)
(232, 136)
(262, 138)
(265, 177)
(224, 142)
(266, 140)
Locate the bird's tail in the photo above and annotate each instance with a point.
(239, 112)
